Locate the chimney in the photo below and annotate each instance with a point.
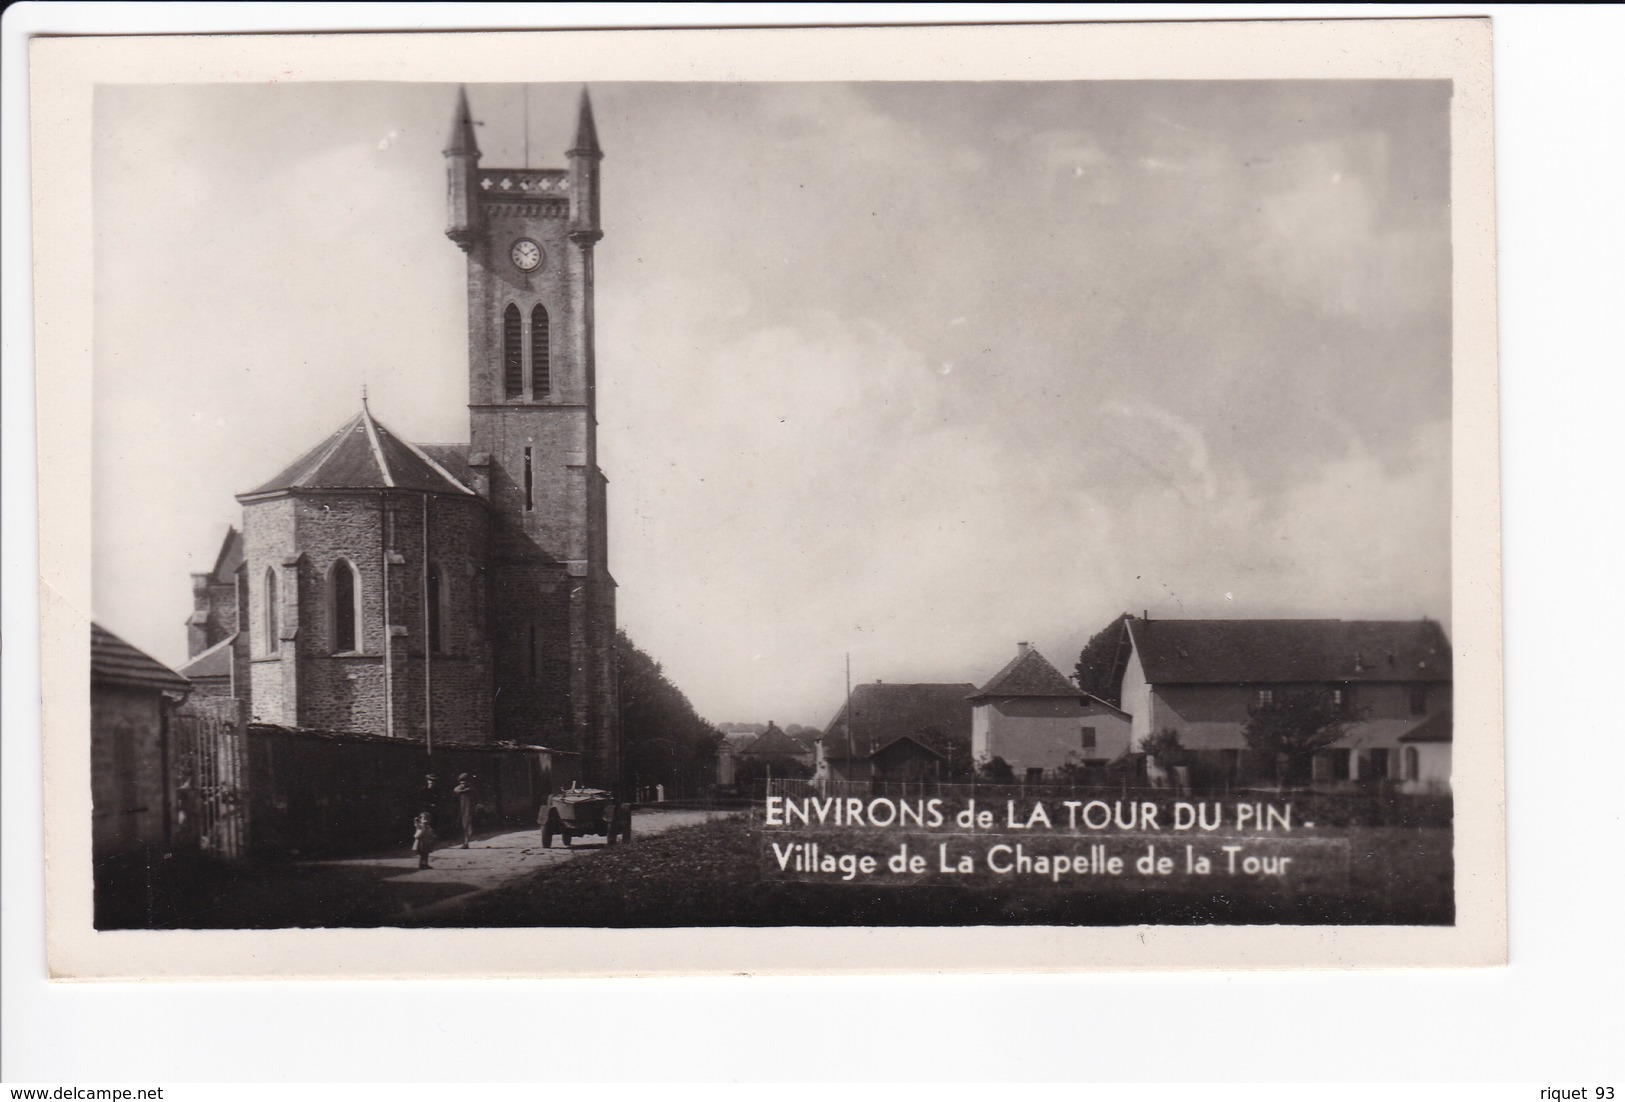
(1024, 648)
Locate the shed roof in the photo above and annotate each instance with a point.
(115, 662)
(1438, 727)
(363, 455)
(902, 742)
(214, 662)
(1248, 651)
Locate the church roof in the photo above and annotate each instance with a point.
(1028, 674)
(363, 455)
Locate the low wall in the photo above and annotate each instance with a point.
(332, 793)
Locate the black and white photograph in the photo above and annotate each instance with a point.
(669, 505)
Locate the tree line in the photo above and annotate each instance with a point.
(664, 740)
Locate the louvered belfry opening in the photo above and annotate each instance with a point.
(513, 362)
(541, 365)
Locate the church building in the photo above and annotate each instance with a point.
(449, 591)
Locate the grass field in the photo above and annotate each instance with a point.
(710, 875)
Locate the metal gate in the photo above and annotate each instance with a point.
(208, 775)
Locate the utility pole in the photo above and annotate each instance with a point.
(850, 750)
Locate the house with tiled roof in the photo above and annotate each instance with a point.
(773, 749)
(133, 698)
(936, 715)
(1041, 724)
(1201, 678)
(448, 592)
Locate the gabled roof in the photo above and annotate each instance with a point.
(115, 662)
(229, 558)
(1194, 652)
(1438, 727)
(881, 712)
(775, 743)
(363, 455)
(902, 741)
(1028, 674)
(214, 662)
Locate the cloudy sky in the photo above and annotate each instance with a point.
(905, 371)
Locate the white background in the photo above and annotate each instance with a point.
(1553, 1015)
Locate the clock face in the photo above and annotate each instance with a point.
(526, 255)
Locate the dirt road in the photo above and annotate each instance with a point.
(389, 889)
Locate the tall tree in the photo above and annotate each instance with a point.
(1097, 669)
(1294, 725)
(665, 741)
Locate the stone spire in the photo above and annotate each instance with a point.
(586, 139)
(462, 128)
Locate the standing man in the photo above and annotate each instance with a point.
(465, 805)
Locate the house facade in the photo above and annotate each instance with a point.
(1201, 678)
(133, 698)
(1042, 725)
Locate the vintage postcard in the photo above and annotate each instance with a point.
(982, 498)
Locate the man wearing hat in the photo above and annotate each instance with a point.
(465, 805)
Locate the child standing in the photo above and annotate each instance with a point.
(423, 838)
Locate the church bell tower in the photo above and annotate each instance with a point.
(529, 235)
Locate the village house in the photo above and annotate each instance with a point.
(1201, 678)
(776, 753)
(898, 732)
(133, 698)
(1042, 725)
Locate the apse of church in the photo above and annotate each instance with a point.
(458, 591)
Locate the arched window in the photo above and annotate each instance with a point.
(344, 598)
(513, 363)
(435, 598)
(272, 634)
(541, 364)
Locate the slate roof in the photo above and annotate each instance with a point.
(363, 455)
(1438, 727)
(453, 457)
(1028, 674)
(214, 662)
(1196, 652)
(775, 743)
(115, 662)
(881, 712)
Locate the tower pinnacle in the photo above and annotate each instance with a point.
(462, 128)
(586, 139)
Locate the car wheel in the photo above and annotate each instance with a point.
(567, 839)
(547, 836)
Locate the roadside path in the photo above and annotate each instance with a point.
(389, 889)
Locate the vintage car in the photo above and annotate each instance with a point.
(578, 811)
